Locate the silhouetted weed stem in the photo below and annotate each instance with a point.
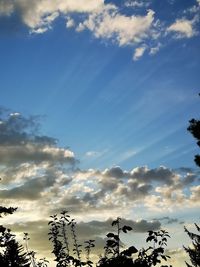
(57, 244)
(31, 254)
(118, 233)
(77, 247)
(64, 222)
(88, 246)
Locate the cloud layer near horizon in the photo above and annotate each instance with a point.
(42, 179)
(35, 170)
(133, 24)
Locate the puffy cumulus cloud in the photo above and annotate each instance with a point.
(160, 174)
(125, 30)
(183, 28)
(31, 165)
(20, 143)
(34, 186)
(159, 188)
(104, 20)
(133, 23)
(33, 152)
(38, 15)
(141, 174)
(115, 171)
(195, 196)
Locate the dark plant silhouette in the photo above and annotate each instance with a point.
(77, 247)
(58, 248)
(155, 254)
(5, 211)
(113, 256)
(88, 246)
(13, 254)
(143, 258)
(194, 251)
(194, 129)
(60, 229)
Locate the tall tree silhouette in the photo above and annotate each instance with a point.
(194, 252)
(194, 129)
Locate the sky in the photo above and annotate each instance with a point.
(95, 101)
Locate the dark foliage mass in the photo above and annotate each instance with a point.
(4, 210)
(194, 129)
(12, 253)
(194, 252)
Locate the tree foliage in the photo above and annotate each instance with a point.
(194, 251)
(194, 129)
(12, 254)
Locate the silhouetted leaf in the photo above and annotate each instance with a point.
(110, 235)
(126, 228)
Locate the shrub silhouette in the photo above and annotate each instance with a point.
(145, 257)
(61, 226)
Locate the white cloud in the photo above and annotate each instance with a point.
(6, 7)
(70, 23)
(105, 21)
(39, 14)
(110, 24)
(139, 52)
(183, 27)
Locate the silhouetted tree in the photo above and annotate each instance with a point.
(194, 129)
(12, 254)
(194, 251)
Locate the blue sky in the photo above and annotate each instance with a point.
(115, 81)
